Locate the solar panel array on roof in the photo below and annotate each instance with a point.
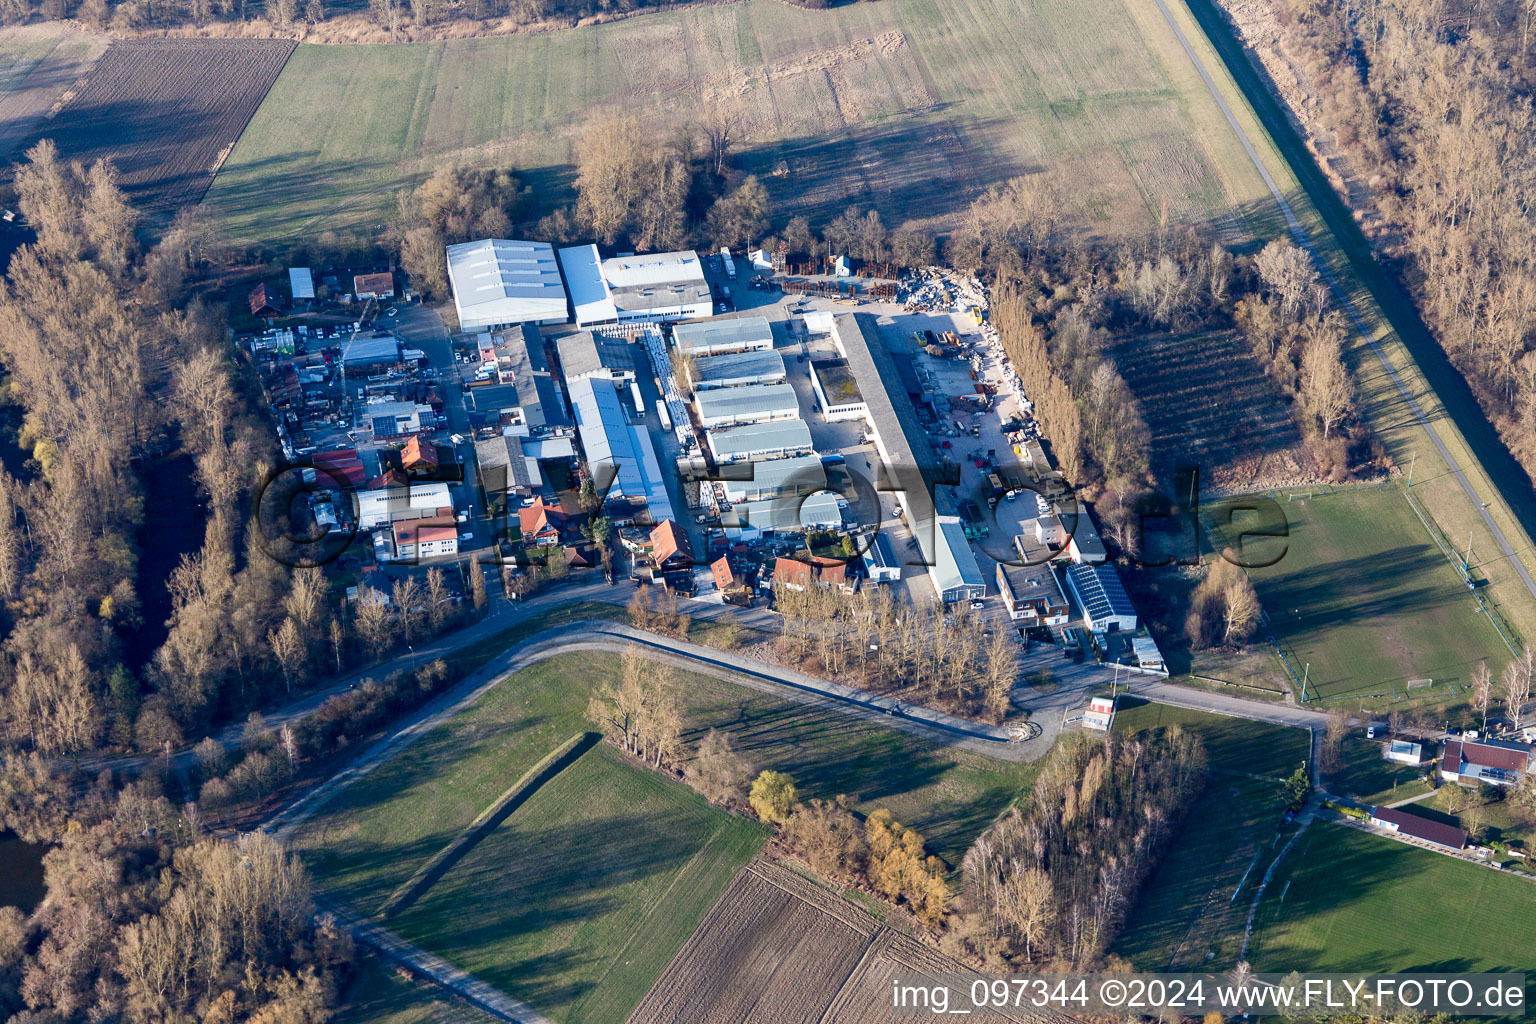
(1099, 589)
(384, 426)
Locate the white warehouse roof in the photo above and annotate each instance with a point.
(801, 475)
(649, 286)
(737, 368)
(498, 282)
(756, 439)
(749, 404)
(955, 572)
(609, 439)
(739, 334)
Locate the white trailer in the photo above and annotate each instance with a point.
(730, 264)
(634, 393)
(661, 410)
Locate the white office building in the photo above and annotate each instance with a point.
(646, 287)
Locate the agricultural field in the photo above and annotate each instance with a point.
(376, 994)
(39, 65)
(779, 947)
(166, 111)
(1362, 594)
(910, 106)
(373, 835)
(1209, 403)
(1344, 900)
(546, 902)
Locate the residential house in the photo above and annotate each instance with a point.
(373, 286)
(419, 456)
(670, 548)
(1496, 762)
(541, 524)
(1032, 595)
(264, 302)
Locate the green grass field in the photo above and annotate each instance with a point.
(1346, 901)
(374, 834)
(1185, 909)
(1370, 778)
(911, 106)
(580, 898)
(1231, 744)
(576, 902)
(1364, 596)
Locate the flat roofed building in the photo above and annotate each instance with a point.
(720, 337)
(498, 282)
(1097, 589)
(880, 563)
(617, 449)
(586, 354)
(737, 369)
(505, 466)
(1404, 752)
(301, 283)
(648, 286)
(837, 391)
(388, 504)
(1032, 595)
(758, 403)
(778, 477)
(363, 352)
(899, 438)
(755, 441)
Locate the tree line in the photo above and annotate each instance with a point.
(146, 919)
(1053, 879)
(945, 657)
(1434, 98)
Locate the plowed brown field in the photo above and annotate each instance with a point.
(778, 947)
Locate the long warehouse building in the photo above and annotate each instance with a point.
(757, 403)
(899, 437)
(760, 441)
(618, 449)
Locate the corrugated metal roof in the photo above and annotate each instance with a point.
(955, 565)
(778, 435)
(743, 367)
(498, 280)
(745, 332)
(755, 400)
(611, 441)
(800, 475)
(785, 514)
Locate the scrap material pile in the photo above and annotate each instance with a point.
(938, 289)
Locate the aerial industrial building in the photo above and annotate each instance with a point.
(737, 369)
(624, 289)
(620, 451)
(758, 403)
(718, 337)
(760, 441)
(498, 283)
